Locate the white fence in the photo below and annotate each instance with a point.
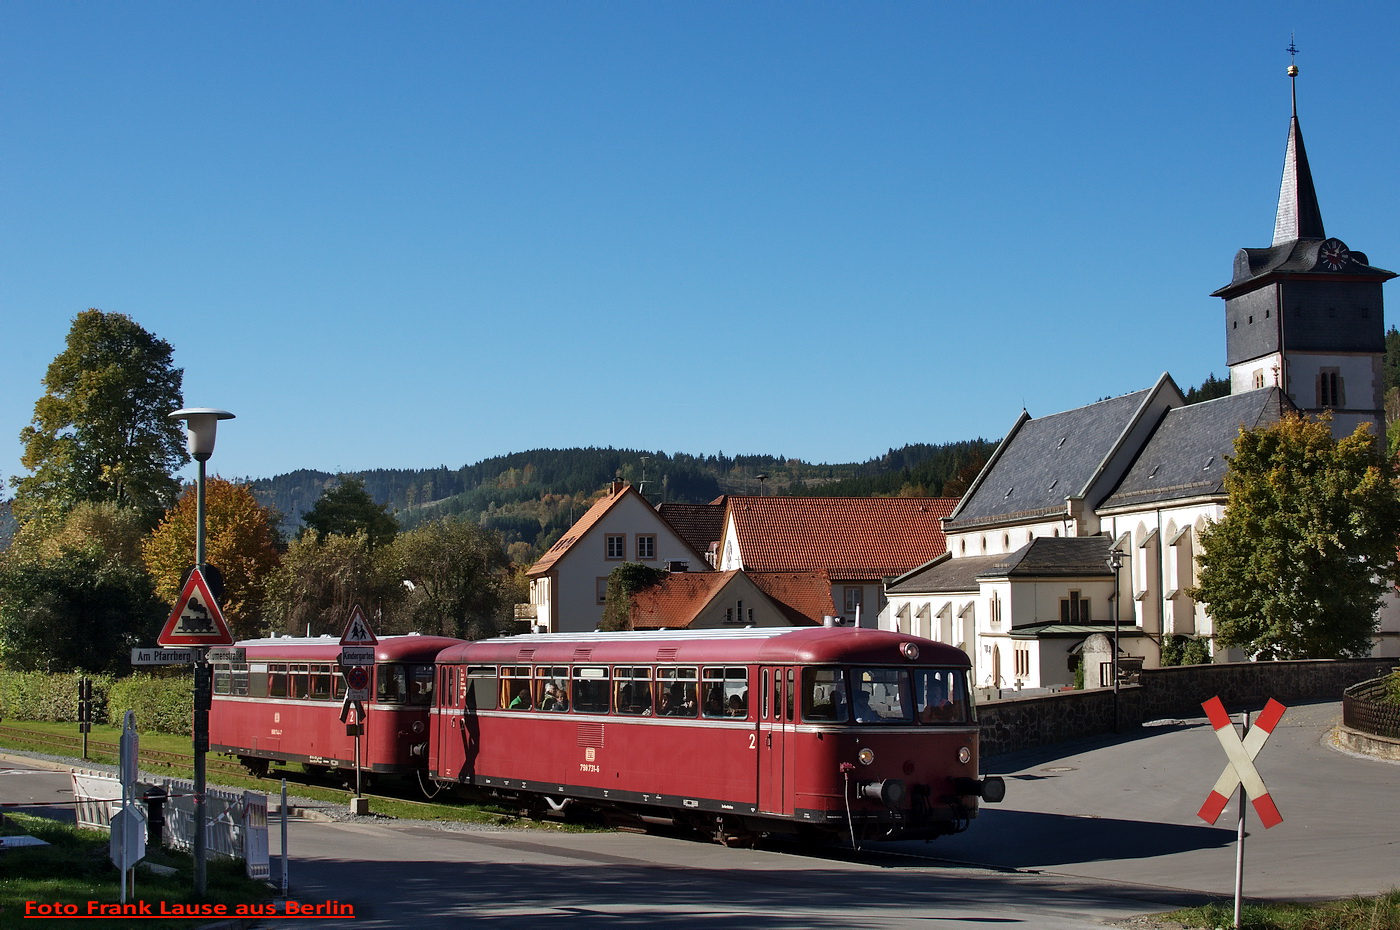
(235, 825)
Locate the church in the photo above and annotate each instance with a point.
(1080, 534)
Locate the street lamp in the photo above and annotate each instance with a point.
(1115, 562)
(201, 424)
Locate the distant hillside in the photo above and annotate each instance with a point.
(532, 497)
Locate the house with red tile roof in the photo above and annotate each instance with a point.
(857, 542)
(568, 584)
(733, 599)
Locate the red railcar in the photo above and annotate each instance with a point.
(284, 704)
(828, 731)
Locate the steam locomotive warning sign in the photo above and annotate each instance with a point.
(196, 620)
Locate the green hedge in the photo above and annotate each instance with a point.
(162, 704)
(51, 698)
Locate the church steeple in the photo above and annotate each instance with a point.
(1306, 314)
(1299, 216)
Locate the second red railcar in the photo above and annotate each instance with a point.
(827, 731)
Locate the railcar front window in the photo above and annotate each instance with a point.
(420, 684)
(393, 684)
(823, 695)
(881, 695)
(941, 695)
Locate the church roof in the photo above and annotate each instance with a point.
(1046, 557)
(1186, 456)
(1043, 461)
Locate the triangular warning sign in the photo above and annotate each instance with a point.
(357, 631)
(196, 619)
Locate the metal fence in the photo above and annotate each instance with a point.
(1365, 708)
(235, 824)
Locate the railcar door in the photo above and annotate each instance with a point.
(777, 685)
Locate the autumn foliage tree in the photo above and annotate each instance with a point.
(240, 541)
(1306, 550)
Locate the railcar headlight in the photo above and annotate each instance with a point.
(910, 650)
(964, 755)
(866, 756)
(417, 726)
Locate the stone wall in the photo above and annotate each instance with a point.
(1012, 724)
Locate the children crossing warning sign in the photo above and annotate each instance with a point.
(196, 619)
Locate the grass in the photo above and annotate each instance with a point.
(1359, 913)
(166, 742)
(75, 869)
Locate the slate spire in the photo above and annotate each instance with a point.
(1299, 216)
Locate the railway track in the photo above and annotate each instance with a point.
(153, 760)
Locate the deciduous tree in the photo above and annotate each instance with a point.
(453, 575)
(240, 540)
(347, 509)
(1307, 547)
(317, 583)
(100, 431)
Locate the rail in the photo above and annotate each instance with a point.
(147, 759)
(1365, 708)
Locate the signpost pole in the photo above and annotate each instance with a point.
(1239, 844)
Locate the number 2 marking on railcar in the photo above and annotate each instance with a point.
(753, 740)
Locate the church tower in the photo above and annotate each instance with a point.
(1306, 314)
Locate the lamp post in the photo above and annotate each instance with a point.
(1115, 562)
(201, 424)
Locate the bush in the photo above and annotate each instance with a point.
(1185, 650)
(49, 698)
(162, 705)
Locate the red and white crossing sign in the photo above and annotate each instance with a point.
(1241, 770)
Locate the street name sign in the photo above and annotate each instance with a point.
(228, 654)
(159, 655)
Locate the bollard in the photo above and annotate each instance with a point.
(155, 798)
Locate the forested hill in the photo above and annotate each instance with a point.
(532, 497)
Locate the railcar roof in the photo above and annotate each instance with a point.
(408, 647)
(816, 645)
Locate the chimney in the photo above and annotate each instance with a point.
(617, 485)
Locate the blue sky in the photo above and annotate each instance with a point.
(420, 234)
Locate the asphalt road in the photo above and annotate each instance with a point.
(1090, 833)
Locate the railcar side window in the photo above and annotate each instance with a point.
(591, 689)
(726, 692)
(299, 681)
(941, 695)
(823, 695)
(481, 688)
(321, 682)
(552, 689)
(633, 689)
(258, 679)
(223, 680)
(515, 687)
(277, 680)
(392, 686)
(675, 691)
(881, 695)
